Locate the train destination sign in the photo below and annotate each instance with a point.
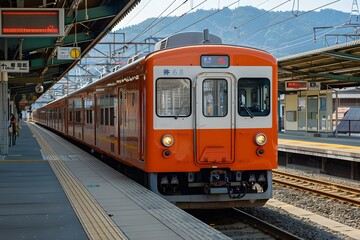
(31, 22)
(214, 61)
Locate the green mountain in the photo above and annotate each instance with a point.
(280, 33)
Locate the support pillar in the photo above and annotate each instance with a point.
(323, 165)
(354, 173)
(287, 158)
(4, 114)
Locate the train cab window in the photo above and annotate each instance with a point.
(253, 97)
(173, 97)
(215, 97)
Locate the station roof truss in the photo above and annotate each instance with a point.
(336, 66)
(86, 23)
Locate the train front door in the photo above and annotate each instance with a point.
(214, 119)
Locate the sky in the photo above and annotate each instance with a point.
(154, 8)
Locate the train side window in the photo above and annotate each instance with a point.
(173, 97)
(111, 110)
(88, 103)
(70, 109)
(102, 110)
(77, 116)
(215, 97)
(253, 97)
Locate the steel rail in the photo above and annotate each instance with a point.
(328, 189)
(265, 227)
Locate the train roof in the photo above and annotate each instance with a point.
(187, 39)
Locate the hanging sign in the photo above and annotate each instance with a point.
(14, 66)
(295, 85)
(68, 53)
(31, 22)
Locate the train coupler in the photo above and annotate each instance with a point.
(238, 191)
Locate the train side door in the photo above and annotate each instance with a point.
(96, 119)
(122, 123)
(214, 119)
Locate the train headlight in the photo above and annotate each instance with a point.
(167, 140)
(260, 139)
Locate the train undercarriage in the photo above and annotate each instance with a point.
(227, 188)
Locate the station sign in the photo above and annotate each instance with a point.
(295, 85)
(31, 22)
(302, 85)
(314, 86)
(14, 66)
(68, 53)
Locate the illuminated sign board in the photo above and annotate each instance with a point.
(31, 22)
(214, 61)
(295, 85)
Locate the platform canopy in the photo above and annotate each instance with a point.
(86, 22)
(336, 66)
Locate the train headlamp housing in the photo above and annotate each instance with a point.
(167, 140)
(260, 139)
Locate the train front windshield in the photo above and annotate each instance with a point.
(174, 97)
(254, 97)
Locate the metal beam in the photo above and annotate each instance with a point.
(26, 80)
(342, 55)
(339, 77)
(93, 14)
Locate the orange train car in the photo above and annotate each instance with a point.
(197, 119)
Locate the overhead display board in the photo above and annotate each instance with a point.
(31, 22)
(296, 85)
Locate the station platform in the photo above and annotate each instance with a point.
(340, 147)
(51, 189)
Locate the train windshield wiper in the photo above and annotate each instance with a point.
(247, 110)
(181, 108)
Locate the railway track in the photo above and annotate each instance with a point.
(265, 227)
(237, 224)
(328, 189)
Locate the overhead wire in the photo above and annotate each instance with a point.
(182, 15)
(136, 15)
(148, 26)
(219, 10)
(152, 24)
(285, 20)
(309, 39)
(210, 15)
(266, 12)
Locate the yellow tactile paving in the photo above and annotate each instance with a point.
(94, 220)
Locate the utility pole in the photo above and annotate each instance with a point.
(352, 23)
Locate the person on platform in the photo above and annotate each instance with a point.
(12, 130)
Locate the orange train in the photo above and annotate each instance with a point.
(197, 119)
